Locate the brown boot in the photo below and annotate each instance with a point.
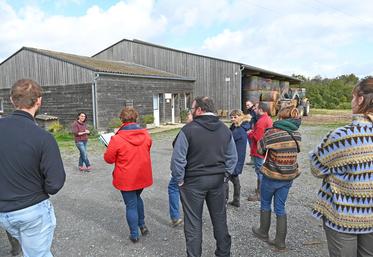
(281, 231)
(255, 197)
(261, 232)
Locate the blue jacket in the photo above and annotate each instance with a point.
(31, 167)
(240, 138)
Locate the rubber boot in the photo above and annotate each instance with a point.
(261, 232)
(16, 248)
(255, 197)
(281, 230)
(236, 191)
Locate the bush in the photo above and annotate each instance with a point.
(55, 127)
(184, 115)
(148, 119)
(114, 123)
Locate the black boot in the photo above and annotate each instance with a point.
(16, 248)
(261, 232)
(236, 191)
(281, 230)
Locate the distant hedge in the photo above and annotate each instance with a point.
(329, 93)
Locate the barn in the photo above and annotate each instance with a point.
(229, 83)
(156, 80)
(73, 83)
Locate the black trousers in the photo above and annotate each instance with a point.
(194, 192)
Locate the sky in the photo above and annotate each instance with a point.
(307, 37)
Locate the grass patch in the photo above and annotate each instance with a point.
(330, 112)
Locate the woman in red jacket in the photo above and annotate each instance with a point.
(129, 150)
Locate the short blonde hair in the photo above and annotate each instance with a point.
(128, 114)
(236, 112)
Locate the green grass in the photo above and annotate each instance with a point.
(329, 112)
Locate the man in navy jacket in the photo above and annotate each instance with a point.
(31, 169)
(204, 154)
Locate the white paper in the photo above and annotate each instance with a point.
(105, 138)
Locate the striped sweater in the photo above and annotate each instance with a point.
(280, 144)
(344, 160)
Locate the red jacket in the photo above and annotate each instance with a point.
(264, 122)
(129, 149)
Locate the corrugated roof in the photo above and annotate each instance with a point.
(259, 71)
(106, 66)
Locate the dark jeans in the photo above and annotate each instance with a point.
(134, 211)
(348, 245)
(277, 190)
(194, 192)
(83, 158)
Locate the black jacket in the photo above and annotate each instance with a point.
(31, 167)
(204, 146)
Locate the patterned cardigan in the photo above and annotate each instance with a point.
(344, 160)
(281, 152)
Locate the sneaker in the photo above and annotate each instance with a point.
(177, 222)
(144, 231)
(81, 168)
(89, 168)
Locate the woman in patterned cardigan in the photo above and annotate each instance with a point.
(280, 145)
(344, 161)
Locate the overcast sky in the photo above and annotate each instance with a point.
(308, 37)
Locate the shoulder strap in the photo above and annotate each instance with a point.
(292, 136)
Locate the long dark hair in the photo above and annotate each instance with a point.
(365, 89)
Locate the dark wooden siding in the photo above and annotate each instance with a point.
(63, 101)
(210, 74)
(112, 92)
(43, 69)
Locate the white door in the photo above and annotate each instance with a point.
(173, 109)
(156, 110)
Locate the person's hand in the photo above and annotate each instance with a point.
(87, 131)
(180, 183)
(116, 130)
(227, 177)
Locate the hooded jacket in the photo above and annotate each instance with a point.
(239, 133)
(203, 147)
(129, 149)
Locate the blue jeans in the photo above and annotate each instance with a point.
(33, 227)
(83, 158)
(134, 211)
(276, 189)
(173, 199)
(258, 163)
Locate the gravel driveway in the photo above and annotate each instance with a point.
(91, 221)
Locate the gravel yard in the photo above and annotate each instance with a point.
(91, 221)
